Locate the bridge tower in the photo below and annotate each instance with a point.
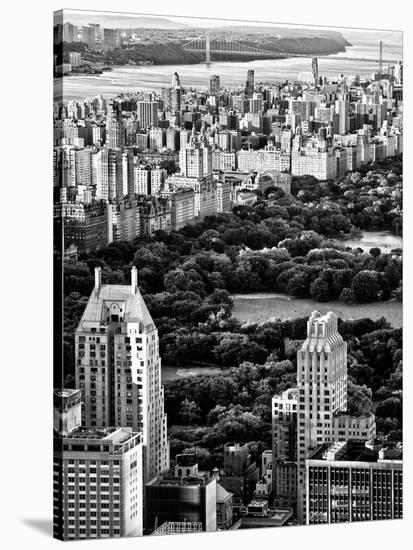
(207, 49)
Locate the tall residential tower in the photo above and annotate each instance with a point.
(118, 368)
(322, 397)
(322, 390)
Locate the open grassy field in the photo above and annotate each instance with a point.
(260, 307)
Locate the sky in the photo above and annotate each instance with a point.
(84, 17)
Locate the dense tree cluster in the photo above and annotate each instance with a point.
(207, 411)
(282, 244)
(370, 198)
(186, 276)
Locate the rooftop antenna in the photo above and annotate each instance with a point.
(380, 58)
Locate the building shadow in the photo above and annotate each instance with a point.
(44, 526)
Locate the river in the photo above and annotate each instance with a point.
(129, 79)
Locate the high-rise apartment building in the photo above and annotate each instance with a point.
(80, 167)
(322, 397)
(111, 39)
(85, 225)
(147, 114)
(250, 85)
(125, 218)
(223, 194)
(172, 96)
(343, 109)
(182, 208)
(156, 138)
(195, 159)
(214, 85)
(284, 425)
(348, 481)
(224, 161)
(100, 177)
(284, 447)
(115, 175)
(97, 475)
(322, 390)
(118, 368)
(314, 160)
(172, 139)
(70, 32)
(268, 158)
(75, 59)
(240, 475)
(115, 133)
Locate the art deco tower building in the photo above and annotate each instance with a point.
(195, 158)
(118, 368)
(322, 390)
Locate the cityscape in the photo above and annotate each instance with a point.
(227, 276)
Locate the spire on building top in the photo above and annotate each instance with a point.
(134, 280)
(98, 278)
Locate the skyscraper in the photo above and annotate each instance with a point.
(115, 175)
(322, 397)
(249, 86)
(97, 475)
(214, 85)
(343, 109)
(111, 39)
(322, 390)
(119, 369)
(195, 159)
(314, 65)
(148, 113)
(284, 447)
(350, 481)
(115, 132)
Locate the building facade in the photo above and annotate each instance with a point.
(182, 208)
(97, 476)
(172, 498)
(322, 396)
(284, 451)
(118, 368)
(85, 225)
(347, 481)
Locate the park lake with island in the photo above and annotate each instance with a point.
(259, 307)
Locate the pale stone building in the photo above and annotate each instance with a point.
(118, 368)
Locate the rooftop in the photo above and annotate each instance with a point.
(222, 494)
(322, 332)
(114, 435)
(115, 303)
(166, 480)
(354, 451)
(273, 518)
